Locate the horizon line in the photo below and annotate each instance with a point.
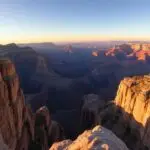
(73, 42)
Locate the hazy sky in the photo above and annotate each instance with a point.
(74, 20)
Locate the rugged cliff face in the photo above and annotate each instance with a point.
(140, 46)
(98, 138)
(133, 97)
(128, 116)
(25, 60)
(15, 120)
(33, 69)
(130, 51)
(20, 129)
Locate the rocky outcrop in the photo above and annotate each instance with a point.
(46, 131)
(140, 46)
(134, 97)
(137, 51)
(118, 62)
(98, 138)
(15, 120)
(95, 53)
(25, 60)
(119, 51)
(32, 68)
(143, 55)
(20, 129)
(128, 116)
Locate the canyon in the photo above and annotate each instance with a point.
(128, 115)
(52, 97)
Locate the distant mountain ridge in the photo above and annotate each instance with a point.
(95, 44)
(44, 45)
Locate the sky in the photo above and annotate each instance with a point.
(26, 21)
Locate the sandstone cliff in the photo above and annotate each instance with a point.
(20, 129)
(98, 138)
(128, 116)
(15, 120)
(134, 97)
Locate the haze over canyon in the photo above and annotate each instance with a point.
(51, 93)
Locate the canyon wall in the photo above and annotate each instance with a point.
(139, 46)
(16, 122)
(20, 129)
(133, 97)
(128, 115)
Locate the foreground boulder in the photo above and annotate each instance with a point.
(98, 138)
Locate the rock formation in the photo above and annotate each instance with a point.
(140, 46)
(32, 69)
(46, 130)
(20, 129)
(128, 116)
(95, 53)
(98, 138)
(130, 51)
(120, 51)
(15, 119)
